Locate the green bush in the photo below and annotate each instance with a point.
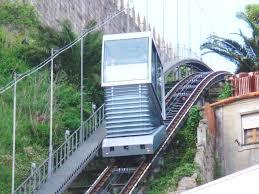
(225, 92)
(179, 156)
(18, 15)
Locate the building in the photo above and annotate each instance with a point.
(234, 123)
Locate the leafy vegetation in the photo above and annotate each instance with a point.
(244, 54)
(217, 168)
(225, 92)
(252, 12)
(24, 43)
(179, 157)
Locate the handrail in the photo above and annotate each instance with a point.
(62, 153)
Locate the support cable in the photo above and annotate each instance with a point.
(61, 50)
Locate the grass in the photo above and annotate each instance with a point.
(24, 43)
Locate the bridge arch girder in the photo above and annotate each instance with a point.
(190, 62)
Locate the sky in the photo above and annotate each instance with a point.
(197, 19)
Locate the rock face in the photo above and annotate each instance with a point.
(186, 183)
(81, 12)
(204, 157)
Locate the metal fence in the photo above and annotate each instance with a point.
(40, 174)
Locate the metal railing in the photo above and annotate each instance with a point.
(62, 153)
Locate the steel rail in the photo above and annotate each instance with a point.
(171, 129)
(132, 179)
(100, 181)
(180, 84)
(106, 172)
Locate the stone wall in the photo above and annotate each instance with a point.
(204, 157)
(81, 12)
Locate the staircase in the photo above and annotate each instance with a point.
(68, 160)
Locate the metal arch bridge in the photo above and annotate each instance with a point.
(80, 148)
(186, 57)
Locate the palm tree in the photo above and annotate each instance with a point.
(244, 55)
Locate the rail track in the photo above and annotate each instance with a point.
(172, 127)
(102, 179)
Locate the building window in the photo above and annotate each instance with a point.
(250, 128)
(126, 147)
(111, 149)
(251, 136)
(142, 147)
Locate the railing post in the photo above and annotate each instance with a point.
(100, 116)
(33, 167)
(94, 116)
(67, 133)
(103, 110)
(51, 116)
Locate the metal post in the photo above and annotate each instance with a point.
(33, 167)
(163, 18)
(189, 27)
(51, 116)
(14, 130)
(82, 92)
(128, 16)
(177, 26)
(94, 115)
(147, 10)
(163, 95)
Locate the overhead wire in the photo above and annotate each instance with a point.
(60, 51)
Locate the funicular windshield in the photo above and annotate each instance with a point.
(125, 60)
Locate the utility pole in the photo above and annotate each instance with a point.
(14, 130)
(82, 91)
(51, 116)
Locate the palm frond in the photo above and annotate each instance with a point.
(243, 16)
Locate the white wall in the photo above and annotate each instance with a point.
(233, 157)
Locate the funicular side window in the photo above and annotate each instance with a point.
(156, 72)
